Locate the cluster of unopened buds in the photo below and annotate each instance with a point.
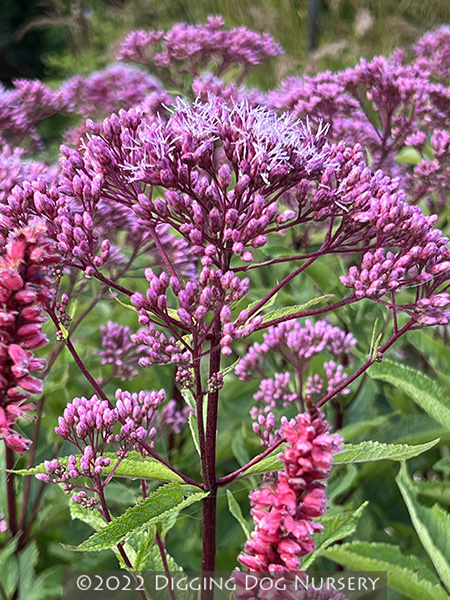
(297, 343)
(93, 424)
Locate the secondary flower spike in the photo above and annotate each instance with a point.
(284, 510)
(25, 290)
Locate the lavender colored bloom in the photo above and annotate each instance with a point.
(104, 92)
(171, 419)
(190, 159)
(119, 351)
(284, 509)
(296, 345)
(29, 202)
(3, 524)
(23, 106)
(270, 152)
(191, 49)
(432, 53)
(209, 85)
(15, 168)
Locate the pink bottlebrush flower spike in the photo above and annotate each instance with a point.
(284, 511)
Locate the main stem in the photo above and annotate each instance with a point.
(210, 502)
(10, 491)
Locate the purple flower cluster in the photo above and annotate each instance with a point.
(296, 345)
(103, 92)
(268, 153)
(432, 53)
(194, 157)
(430, 178)
(28, 202)
(191, 49)
(3, 524)
(25, 290)
(386, 105)
(90, 422)
(23, 106)
(15, 168)
(118, 350)
(284, 510)
(93, 425)
(91, 220)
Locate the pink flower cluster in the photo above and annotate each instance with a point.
(25, 291)
(23, 106)
(15, 168)
(119, 351)
(93, 425)
(284, 510)
(190, 49)
(103, 92)
(295, 345)
(432, 53)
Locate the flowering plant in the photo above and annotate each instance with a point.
(206, 236)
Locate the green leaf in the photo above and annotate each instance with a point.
(335, 528)
(344, 478)
(432, 526)
(371, 451)
(268, 304)
(8, 550)
(10, 577)
(354, 430)
(266, 465)
(375, 340)
(134, 466)
(91, 517)
(127, 306)
(230, 368)
(194, 432)
(406, 575)
(188, 397)
(420, 388)
(95, 520)
(443, 464)
(236, 511)
(408, 156)
(27, 562)
(439, 491)
(166, 500)
(154, 561)
(291, 310)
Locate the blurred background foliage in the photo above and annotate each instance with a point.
(58, 38)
